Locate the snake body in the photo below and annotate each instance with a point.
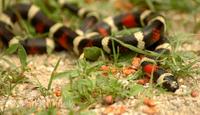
(93, 32)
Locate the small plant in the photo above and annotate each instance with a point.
(13, 75)
(88, 85)
(181, 63)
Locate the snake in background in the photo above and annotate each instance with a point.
(92, 32)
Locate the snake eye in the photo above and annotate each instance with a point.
(170, 83)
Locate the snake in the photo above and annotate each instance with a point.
(94, 31)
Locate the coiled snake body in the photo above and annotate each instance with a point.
(93, 32)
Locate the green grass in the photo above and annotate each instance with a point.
(182, 63)
(13, 75)
(52, 110)
(88, 85)
(191, 6)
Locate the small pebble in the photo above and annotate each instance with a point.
(143, 81)
(108, 100)
(150, 110)
(120, 110)
(108, 110)
(149, 102)
(57, 92)
(128, 71)
(104, 68)
(136, 62)
(194, 93)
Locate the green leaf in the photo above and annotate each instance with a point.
(12, 49)
(92, 53)
(48, 111)
(53, 73)
(136, 89)
(68, 97)
(22, 55)
(138, 50)
(70, 73)
(150, 4)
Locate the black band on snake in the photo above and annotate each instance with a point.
(150, 37)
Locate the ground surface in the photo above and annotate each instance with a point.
(178, 103)
(27, 95)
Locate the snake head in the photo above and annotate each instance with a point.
(170, 83)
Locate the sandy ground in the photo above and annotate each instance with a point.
(27, 95)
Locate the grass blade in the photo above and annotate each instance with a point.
(22, 56)
(53, 73)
